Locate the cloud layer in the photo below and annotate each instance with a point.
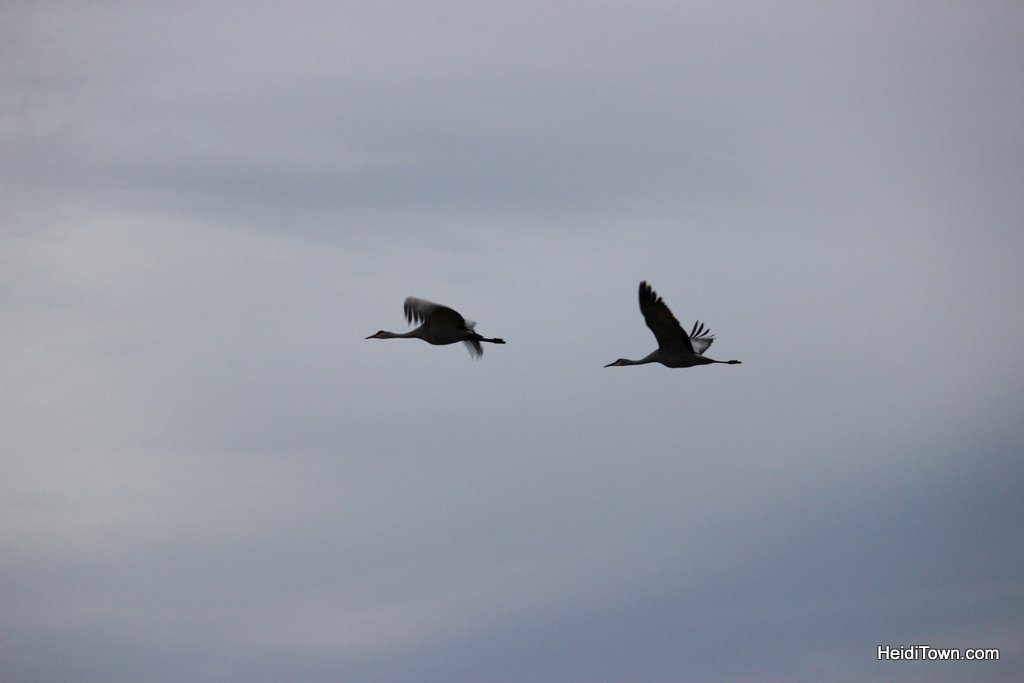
(210, 475)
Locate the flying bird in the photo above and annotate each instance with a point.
(440, 325)
(676, 348)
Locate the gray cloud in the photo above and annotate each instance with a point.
(210, 475)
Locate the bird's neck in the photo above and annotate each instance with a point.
(395, 335)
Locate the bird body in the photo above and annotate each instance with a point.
(676, 348)
(439, 325)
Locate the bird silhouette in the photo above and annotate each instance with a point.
(440, 325)
(676, 348)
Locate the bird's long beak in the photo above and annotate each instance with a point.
(610, 364)
(370, 337)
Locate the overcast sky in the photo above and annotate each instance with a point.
(207, 474)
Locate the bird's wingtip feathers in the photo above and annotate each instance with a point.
(474, 348)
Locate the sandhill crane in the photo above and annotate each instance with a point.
(441, 325)
(676, 349)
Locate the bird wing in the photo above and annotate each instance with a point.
(663, 324)
(436, 315)
(700, 338)
(421, 311)
(474, 348)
